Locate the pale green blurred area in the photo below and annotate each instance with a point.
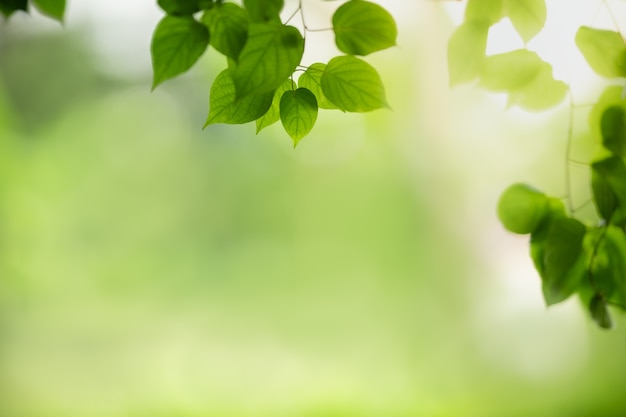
(151, 269)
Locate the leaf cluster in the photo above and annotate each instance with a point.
(521, 74)
(264, 54)
(571, 257)
(52, 8)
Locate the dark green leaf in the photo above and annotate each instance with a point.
(177, 44)
(311, 79)
(225, 107)
(52, 8)
(615, 248)
(228, 26)
(362, 27)
(527, 16)
(488, 11)
(613, 171)
(264, 10)
(604, 51)
(564, 267)
(271, 54)
(8, 7)
(273, 114)
(298, 113)
(556, 210)
(466, 51)
(613, 129)
(600, 313)
(611, 96)
(179, 7)
(603, 196)
(353, 85)
(522, 209)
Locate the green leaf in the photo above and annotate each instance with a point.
(488, 11)
(362, 27)
(271, 54)
(525, 76)
(613, 129)
(604, 198)
(611, 96)
(510, 71)
(311, 79)
(600, 313)
(615, 248)
(228, 26)
(466, 51)
(556, 210)
(353, 85)
(527, 16)
(53, 8)
(8, 7)
(179, 7)
(613, 170)
(273, 114)
(225, 107)
(604, 51)
(264, 10)
(540, 93)
(298, 113)
(564, 267)
(177, 44)
(522, 209)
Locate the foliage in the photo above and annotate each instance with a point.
(263, 54)
(53, 8)
(571, 257)
(264, 81)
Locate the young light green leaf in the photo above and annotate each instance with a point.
(264, 10)
(540, 93)
(298, 113)
(9, 7)
(613, 171)
(228, 26)
(353, 85)
(527, 16)
(271, 54)
(225, 107)
(179, 7)
(522, 209)
(613, 129)
(600, 313)
(273, 114)
(466, 51)
(177, 44)
(487, 11)
(53, 8)
(362, 27)
(510, 71)
(311, 79)
(564, 260)
(604, 51)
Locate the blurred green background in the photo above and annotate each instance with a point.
(151, 269)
